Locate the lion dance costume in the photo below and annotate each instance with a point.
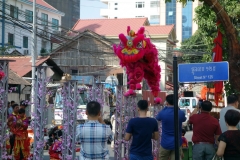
(140, 57)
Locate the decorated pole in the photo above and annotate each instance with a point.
(4, 64)
(70, 94)
(129, 111)
(126, 108)
(156, 144)
(118, 124)
(39, 114)
(96, 93)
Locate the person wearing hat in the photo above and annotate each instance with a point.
(23, 104)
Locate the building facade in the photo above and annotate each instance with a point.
(71, 8)
(157, 12)
(18, 26)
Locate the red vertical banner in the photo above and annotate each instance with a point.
(217, 51)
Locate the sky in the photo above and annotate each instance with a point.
(90, 9)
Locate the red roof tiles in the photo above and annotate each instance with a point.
(113, 27)
(43, 3)
(23, 64)
(159, 30)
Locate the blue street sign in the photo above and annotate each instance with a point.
(203, 72)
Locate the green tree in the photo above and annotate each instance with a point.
(4, 50)
(226, 15)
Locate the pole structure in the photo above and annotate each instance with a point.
(176, 120)
(4, 66)
(3, 25)
(33, 55)
(40, 107)
(70, 98)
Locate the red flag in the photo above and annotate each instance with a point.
(217, 50)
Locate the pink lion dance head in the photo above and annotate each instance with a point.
(140, 57)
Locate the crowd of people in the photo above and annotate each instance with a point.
(19, 142)
(211, 137)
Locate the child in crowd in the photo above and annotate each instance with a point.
(184, 140)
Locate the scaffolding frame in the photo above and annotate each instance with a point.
(70, 98)
(4, 65)
(40, 109)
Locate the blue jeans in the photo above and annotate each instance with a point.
(203, 151)
(136, 157)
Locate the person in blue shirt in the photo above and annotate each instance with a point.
(10, 109)
(166, 116)
(143, 129)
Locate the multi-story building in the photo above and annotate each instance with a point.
(158, 12)
(18, 25)
(71, 8)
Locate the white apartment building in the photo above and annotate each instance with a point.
(18, 25)
(157, 12)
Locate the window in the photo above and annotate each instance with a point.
(44, 19)
(25, 42)
(44, 44)
(187, 21)
(116, 9)
(10, 39)
(154, 19)
(116, 3)
(154, 4)
(115, 17)
(139, 4)
(194, 103)
(29, 16)
(55, 24)
(171, 13)
(74, 72)
(14, 11)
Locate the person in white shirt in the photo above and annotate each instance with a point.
(113, 126)
(232, 101)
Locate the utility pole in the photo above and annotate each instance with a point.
(175, 101)
(33, 56)
(3, 25)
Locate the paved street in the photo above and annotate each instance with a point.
(188, 136)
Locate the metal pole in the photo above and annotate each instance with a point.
(176, 120)
(33, 54)
(3, 25)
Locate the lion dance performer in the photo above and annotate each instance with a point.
(22, 142)
(140, 57)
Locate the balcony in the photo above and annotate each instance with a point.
(104, 13)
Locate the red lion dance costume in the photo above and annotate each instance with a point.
(140, 57)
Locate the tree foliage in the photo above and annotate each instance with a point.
(206, 17)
